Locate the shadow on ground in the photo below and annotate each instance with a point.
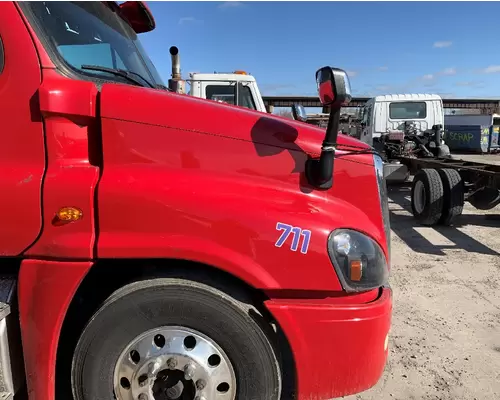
(405, 227)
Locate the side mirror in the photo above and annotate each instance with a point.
(299, 112)
(138, 15)
(334, 88)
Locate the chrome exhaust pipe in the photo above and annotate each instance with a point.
(176, 84)
(176, 62)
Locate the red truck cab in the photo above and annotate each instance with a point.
(160, 246)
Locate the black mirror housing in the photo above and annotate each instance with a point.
(138, 15)
(334, 88)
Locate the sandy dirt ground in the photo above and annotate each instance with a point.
(445, 337)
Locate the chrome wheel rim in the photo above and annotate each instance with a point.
(419, 197)
(174, 362)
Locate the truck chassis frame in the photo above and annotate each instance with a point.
(449, 183)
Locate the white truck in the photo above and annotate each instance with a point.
(236, 88)
(408, 130)
(382, 114)
(404, 125)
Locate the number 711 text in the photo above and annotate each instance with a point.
(299, 235)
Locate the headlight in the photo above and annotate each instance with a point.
(359, 261)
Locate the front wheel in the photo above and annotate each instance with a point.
(172, 338)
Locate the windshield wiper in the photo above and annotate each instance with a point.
(120, 72)
(159, 86)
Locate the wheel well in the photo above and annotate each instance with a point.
(106, 276)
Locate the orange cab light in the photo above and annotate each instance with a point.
(68, 214)
(356, 270)
(240, 72)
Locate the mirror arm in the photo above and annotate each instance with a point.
(332, 130)
(319, 172)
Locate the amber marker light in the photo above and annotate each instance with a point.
(356, 270)
(65, 215)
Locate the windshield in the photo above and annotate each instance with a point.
(408, 110)
(92, 33)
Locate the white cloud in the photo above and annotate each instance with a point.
(469, 83)
(449, 71)
(492, 69)
(442, 44)
(230, 4)
(351, 74)
(383, 68)
(189, 20)
(428, 77)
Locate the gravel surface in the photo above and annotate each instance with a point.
(445, 336)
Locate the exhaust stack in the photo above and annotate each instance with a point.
(176, 84)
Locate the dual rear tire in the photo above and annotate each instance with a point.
(437, 196)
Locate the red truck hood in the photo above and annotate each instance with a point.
(187, 113)
(167, 157)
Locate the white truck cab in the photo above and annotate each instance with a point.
(237, 88)
(381, 114)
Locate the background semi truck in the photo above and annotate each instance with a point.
(156, 245)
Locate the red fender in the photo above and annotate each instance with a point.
(43, 303)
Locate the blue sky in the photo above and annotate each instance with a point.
(449, 48)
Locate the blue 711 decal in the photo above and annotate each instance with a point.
(301, 237)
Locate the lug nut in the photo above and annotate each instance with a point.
(143, 396)
(199, 398)
(200, 384)
(143, 380)
(172, 363)
(188, 372)
(153, 368)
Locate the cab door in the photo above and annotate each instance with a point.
(22, 150)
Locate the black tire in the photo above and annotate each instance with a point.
(432, 207)
(485, 199)
(453, 199)
(149, 304)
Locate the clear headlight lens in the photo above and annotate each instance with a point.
(359, 261)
